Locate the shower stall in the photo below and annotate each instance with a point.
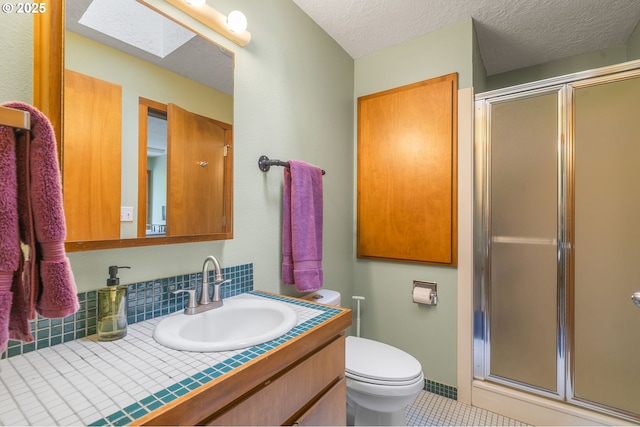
(557, 239)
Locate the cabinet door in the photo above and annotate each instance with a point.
(279, 400)
(329, 410)
(407, 183)
(196, 147)
(93, 145)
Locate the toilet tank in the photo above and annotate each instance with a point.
(324, 296)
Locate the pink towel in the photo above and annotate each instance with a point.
(9, 240)
(302, 227)
(42, 282)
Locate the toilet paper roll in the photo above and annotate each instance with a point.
(423, 295)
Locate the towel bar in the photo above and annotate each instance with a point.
(264, 163)
(14, 118)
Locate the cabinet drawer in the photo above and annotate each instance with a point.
(290, 391)
(329, 410)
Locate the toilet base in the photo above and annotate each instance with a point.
(361, 416)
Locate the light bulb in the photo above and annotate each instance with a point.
(196, 2)
(237, 22)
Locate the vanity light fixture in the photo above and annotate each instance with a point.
(216, 20)
(237, 22)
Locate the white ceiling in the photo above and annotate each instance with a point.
(512, 34)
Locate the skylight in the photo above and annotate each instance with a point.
(136, 25)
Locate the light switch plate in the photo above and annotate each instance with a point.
(126, 214)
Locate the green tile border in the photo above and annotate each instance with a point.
(441, 389)
(146, 300)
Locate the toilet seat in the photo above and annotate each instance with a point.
(391, 383)
(377, 363)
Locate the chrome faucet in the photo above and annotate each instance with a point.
(206, 302)
(204, 297)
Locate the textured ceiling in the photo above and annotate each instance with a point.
(512, 34)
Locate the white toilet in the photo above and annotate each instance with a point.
(381, 380)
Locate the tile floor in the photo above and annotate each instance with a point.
(433, 410)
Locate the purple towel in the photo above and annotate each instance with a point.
(302, 227)
(9, 240)
(42, 279)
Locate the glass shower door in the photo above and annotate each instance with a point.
(557, 233)
(523, 229)
(606, 342)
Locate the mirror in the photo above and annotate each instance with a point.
(196, 75)
(156, 170)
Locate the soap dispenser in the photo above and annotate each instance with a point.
(112, 308)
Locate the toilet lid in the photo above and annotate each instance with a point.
(379, 363)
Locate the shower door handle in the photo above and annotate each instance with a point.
(636, 298)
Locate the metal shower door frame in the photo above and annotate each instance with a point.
(565, 87)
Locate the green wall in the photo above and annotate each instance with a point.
(16, 57)
(633, 44)
(479, 73)
(573, 64)
(293, 99)
(388, 313)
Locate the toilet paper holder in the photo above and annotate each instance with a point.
(432, 286)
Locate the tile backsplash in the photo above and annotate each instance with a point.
(146, 300)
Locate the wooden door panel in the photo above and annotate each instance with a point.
(195, 173)
(407, 184)
(93, 145)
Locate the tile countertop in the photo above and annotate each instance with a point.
(86, 382)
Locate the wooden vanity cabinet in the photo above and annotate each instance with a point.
(300, 382)
(291, 396)
(323, 412)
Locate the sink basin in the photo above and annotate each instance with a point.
(239, 323)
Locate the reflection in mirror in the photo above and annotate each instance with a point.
(109, 41)
(181, 192)
(156, 191)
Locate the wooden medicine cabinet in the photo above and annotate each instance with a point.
(56, 50)
(407, 173)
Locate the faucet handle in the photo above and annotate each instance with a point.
(216, 289)
(192, 304)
